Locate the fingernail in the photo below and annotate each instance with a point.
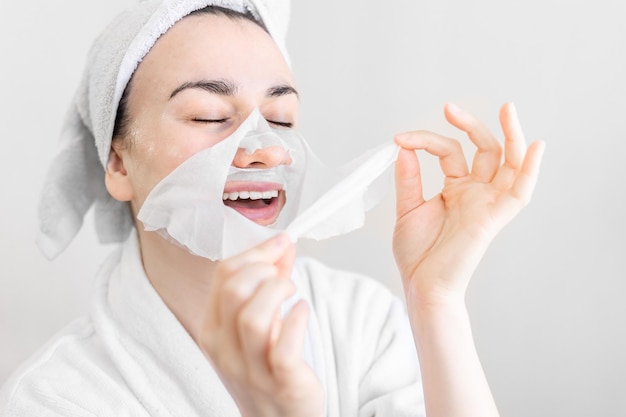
(542, 147)
(454, 109)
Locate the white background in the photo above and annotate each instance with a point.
(547, 303)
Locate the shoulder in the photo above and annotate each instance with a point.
(70, 375)
(41, 372)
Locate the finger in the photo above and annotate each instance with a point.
(520, 193)
(220, 338)
(235, 294)
(448, 150)
(489, 154)
(286, 354)
(239, 287)
(267, 252)
(408, 183)
(514, 143)
(256, 321)
(514, 147)
(285, 263)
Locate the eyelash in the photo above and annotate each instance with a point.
(282, 124)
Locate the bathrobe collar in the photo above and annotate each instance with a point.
(160, 362)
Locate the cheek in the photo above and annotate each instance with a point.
(170, 155)
(162, 150)
(154, 157)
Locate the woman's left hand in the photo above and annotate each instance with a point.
(438, 243)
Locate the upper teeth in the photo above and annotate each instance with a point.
(252, 195)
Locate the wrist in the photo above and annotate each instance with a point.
(443, 319)
(431, 294)
(442, 277)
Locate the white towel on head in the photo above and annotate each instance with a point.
(75, 180)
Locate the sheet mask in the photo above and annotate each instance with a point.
(187, 206)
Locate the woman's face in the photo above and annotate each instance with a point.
(194, 88)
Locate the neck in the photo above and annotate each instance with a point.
(181, 279)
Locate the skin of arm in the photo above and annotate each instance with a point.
(438, 244)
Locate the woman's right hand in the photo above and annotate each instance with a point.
(256, 352)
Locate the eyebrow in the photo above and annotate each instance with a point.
(220, 87)
(281, 90)
(228, 88)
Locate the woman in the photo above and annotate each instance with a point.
(172, 333)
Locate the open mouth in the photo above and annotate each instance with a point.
(259, 202)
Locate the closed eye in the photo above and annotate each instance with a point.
(281, 124)
(218, 121)
(199, 120)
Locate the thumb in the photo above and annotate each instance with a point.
(409, 192)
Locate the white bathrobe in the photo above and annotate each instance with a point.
(131, 356)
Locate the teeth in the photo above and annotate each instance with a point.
(252, 195)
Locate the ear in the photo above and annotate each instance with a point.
(116, 178)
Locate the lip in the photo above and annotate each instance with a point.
(256, 210)
(237, 186)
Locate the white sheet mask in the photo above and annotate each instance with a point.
(187, 206)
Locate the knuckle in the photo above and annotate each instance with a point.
(251, 324)
(233, 292)
(455, 145)
(522, 199)
(445, 142)
(225, 268)
(281, 364)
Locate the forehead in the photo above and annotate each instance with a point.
(214, 46)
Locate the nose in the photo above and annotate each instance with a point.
(263, 158)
